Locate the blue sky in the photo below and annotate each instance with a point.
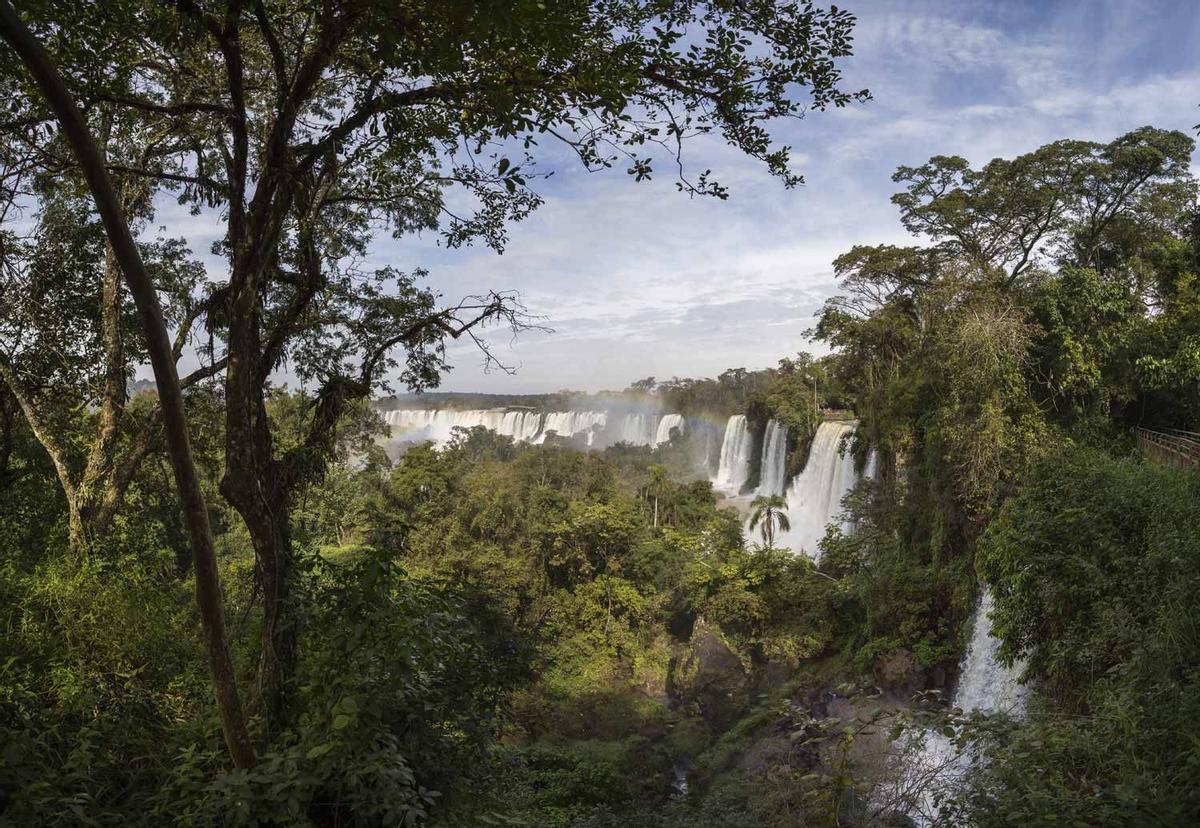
(638, 280)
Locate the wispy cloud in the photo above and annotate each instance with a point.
(639, 280)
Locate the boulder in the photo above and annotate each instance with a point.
(706, 673)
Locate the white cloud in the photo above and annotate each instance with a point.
(638, 279)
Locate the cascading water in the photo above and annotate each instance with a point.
(984, 686)
(815, 496)
(666, 424)
(635, 429)
(600, 428)
(569, 423)
(735, 456)
(438, 425)
(773, 468)
(871, 469)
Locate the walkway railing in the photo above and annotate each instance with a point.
(1170, 447)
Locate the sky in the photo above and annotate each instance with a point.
(638, 280)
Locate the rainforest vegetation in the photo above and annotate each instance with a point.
(222, 602)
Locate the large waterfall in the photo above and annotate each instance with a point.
(773, 469)
(814, 499)
(736, 448)
(597, 428)
(438, 424)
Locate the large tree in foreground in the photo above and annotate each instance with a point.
(307, 128)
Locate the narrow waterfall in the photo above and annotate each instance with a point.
(815, 496)
(666, 424)
(871, 470)
(735, 456)
(984, 686)
(773, 469)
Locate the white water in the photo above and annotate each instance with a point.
(635, 429)
(570, 423)
(599, 428)
(773, 468)
(815, 496)
(736, 448)
(871, 469)
(984, 686)
(438, 424)
(665, 425)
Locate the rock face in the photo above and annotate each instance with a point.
(897, 669)
(707, 674)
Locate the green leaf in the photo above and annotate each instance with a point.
(319, 750)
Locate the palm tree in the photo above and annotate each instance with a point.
(656, 486)
(770, 512)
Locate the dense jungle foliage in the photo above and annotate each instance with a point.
(222, 602)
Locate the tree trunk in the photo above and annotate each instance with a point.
(208, 588)
(254, 485)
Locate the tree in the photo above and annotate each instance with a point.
(769, 514)
(68, 330)
(309, 128)
(125, 250)
(1064, 197)
(655, 487)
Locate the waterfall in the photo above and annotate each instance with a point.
(774, 460)
(666, 424)
(599, 428)
(569, 423)
(735, 456)
(815, 496)
(984, 686)
(438, 424)
(871, 470)
(635, 429)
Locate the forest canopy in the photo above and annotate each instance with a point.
(223, 602)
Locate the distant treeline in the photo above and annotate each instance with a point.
(788, 392)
